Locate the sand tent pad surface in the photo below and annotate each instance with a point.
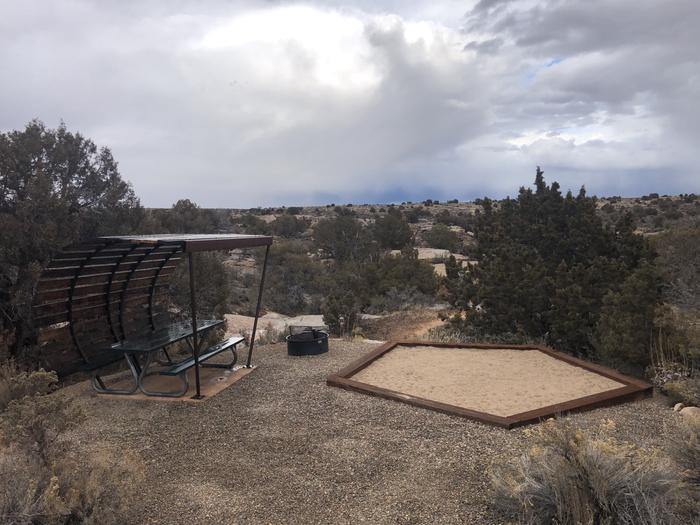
(499, 381)
(506, 385)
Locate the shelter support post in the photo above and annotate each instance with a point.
(257, 308)
(195, 338)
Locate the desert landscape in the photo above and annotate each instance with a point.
(317, 262)
(322, 453)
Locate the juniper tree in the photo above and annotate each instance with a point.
(546, 262)
(392, 230)
(56, 188)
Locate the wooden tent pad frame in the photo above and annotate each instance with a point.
(633, 388)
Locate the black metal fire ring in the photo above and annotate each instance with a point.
(311, 342)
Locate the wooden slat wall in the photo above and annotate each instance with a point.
(86, 286)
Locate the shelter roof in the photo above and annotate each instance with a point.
(196, 242)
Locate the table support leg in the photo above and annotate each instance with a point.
(172, 393)
(99, 386)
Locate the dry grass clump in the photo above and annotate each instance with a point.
(685, 451)
(675, 354)
(16, 384)
(265, 335)
(574, 477)
(450, 333)
(45, 477)
(686, 391)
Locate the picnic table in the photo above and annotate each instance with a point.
(151, 343)
(102, 301)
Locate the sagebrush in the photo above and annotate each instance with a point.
(46, 477)
(572, 477)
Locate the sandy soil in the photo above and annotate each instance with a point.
(498, 381)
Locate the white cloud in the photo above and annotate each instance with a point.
(258, 103)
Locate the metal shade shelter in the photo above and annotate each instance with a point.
(96, 296)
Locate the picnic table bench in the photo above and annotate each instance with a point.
(150, 344)
(102, 301)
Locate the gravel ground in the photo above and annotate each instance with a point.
(282, 447)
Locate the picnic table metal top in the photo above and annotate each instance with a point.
(158, 339)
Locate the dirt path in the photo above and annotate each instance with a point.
(422, 328)
(410, 324)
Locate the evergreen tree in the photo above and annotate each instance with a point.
(546, 261)
(186, 216)
(56, 188)
(442, 238)
(403, 271)
(348, 294)
(392, 231)
(289, 226)
(627, 319)
(343, 238)
(512, 290)
(452, 281)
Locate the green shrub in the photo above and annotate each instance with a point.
(397, 299)
(546, 261)
(403, 272)
(186, 216)
(253, 225)
(292, 281)
(341, 312)
(679, 257)
(441, 237)
(74, 192)
(347, 295)
(289, 226)
(574, 477)
(414, 214)
(392, 231)
(343, 238)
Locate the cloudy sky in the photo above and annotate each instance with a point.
(248, 103)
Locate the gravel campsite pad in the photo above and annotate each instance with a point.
(280, 446)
